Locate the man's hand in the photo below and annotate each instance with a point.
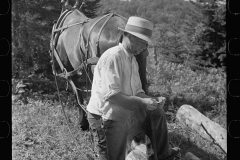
(154, 102)
(160, 100)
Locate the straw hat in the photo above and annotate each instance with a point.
(139, 27)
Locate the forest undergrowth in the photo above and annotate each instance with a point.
(39, 130)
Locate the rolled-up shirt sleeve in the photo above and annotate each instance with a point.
(111, 77)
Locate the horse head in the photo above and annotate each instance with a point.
(66, 4)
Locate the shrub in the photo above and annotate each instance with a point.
(204, 90)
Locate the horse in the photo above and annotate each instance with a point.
(76, 39)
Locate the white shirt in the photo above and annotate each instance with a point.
(116, 71)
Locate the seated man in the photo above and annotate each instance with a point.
(118, 103)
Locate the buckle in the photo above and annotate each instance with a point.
(65, 73)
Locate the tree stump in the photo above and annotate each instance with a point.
(208, 129)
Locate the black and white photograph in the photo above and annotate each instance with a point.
(119, 80)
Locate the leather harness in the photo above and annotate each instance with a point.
(56, 32)
(58, 29)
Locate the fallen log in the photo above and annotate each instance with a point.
(208, 129)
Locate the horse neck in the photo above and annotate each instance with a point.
(81, 14)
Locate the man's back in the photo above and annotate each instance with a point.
(115, 72)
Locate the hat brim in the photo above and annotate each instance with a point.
(141, 36)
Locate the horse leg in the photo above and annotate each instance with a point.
(83, 122)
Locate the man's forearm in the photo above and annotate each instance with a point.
(126, 101)
(142, 95)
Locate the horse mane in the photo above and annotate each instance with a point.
(120, 39)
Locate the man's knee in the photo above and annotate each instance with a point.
(158, 111)
(161, 111)
(94, 121)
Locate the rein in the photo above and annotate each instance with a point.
(89, 61)
(64, 113)
(56, 31)
(66, 75)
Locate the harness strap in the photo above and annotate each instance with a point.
(65, 74)
(75, 91)
(121, 16)
(54, 39)
(92, 29)
(89, 61)
(58, 59)
(62, 17)
(100, 31)
(55, 35)
(68, 26)
(59, 24)
(53, 53)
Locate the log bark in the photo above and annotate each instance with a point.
(208, 129)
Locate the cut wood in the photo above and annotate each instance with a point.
(208, 129)
(138, 153)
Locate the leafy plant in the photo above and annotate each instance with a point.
(206, 91)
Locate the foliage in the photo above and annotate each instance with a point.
(188, 37)
(40, 132)
(205, 90)
(90, 8)
(213, 41)
(185, 32)
(32, 26)
(190, 141)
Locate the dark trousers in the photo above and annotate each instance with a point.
(95, 122)
(112, 135)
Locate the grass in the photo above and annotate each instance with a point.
(204, 90)
(190, 141)
(39, 130)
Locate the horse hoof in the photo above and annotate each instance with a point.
(84, 127)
